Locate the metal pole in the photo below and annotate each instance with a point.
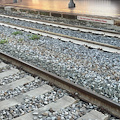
(14, 1)
(71, 4)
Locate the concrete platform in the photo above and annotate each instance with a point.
(109, 8)
(41, 8)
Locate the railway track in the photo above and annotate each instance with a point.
(34, 95)
(68, 26)
(89, 96)
(89, 43)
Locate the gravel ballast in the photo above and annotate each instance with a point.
(91, 68)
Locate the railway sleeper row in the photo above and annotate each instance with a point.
(36, 102)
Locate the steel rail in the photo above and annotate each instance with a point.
(94, 44)
(63, 25)
(83, 93)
